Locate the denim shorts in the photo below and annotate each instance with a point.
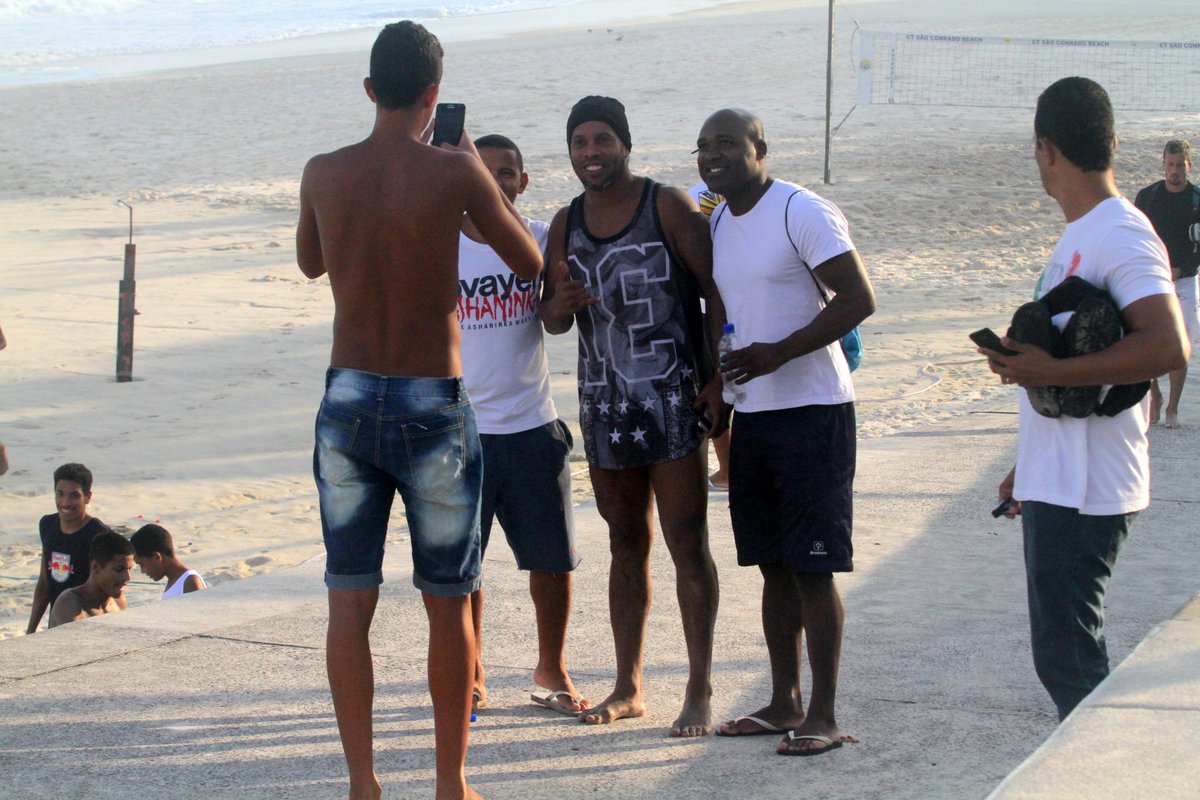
(377, 435)
(527, 487)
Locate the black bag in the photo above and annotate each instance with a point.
(1095, 326)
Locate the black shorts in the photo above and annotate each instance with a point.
(527, 488)
(791, 487)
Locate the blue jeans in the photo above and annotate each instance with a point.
(376, 435)
(1069, 558)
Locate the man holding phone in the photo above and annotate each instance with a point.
(382, 219)
(1079, 482)
(629, 259)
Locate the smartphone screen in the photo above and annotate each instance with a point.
(448, 123)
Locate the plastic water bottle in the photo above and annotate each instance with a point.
(731, 392)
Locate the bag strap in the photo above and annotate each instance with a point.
(717, 219)
(787, 229)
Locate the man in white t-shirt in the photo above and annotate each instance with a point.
(526, 475)
(1079, 483)
(792, 454)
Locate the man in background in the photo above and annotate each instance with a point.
(1173, 207)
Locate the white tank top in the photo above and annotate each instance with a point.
(176, 588)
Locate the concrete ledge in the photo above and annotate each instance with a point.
(1135, 736)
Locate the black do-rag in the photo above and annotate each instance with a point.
(596, 108)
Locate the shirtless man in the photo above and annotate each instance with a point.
(637, 252)
(382, 219)
(110, 559)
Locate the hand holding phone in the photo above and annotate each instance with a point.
(448, 124)
(987, 338)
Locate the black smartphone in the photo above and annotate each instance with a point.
(1002, 509)
(703, 424)
(448, 124)
(986, 337)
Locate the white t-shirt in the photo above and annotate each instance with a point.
(769, 292)
(503, 357)
(1098, 465)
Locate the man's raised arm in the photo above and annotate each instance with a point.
(562, 297)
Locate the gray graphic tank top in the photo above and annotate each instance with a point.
(639, 347)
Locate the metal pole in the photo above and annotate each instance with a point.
(828, 91)
(126, 306)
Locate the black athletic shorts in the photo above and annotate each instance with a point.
(791, 487)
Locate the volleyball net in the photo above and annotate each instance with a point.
(1007, 72)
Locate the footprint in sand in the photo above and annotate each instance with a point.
(257, 561)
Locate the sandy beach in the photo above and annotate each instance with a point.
(213, 438)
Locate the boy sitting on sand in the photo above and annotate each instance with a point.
(110, 561)
(154, 552)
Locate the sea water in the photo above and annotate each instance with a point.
(54, 40)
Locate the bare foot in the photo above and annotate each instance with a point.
(780, 719)
(463, 792)
(694, 720)
(1172, 420)
(613, 709)
(1155, 403)
(372, 791)
(478, 698)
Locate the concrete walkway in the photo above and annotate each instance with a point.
(223, 694)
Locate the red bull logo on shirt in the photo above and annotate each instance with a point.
(60, 567)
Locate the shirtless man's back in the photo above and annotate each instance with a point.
(382, 219)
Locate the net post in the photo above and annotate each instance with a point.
(828, 91)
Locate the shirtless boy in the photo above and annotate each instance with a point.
(111, 560)
(382, 219)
